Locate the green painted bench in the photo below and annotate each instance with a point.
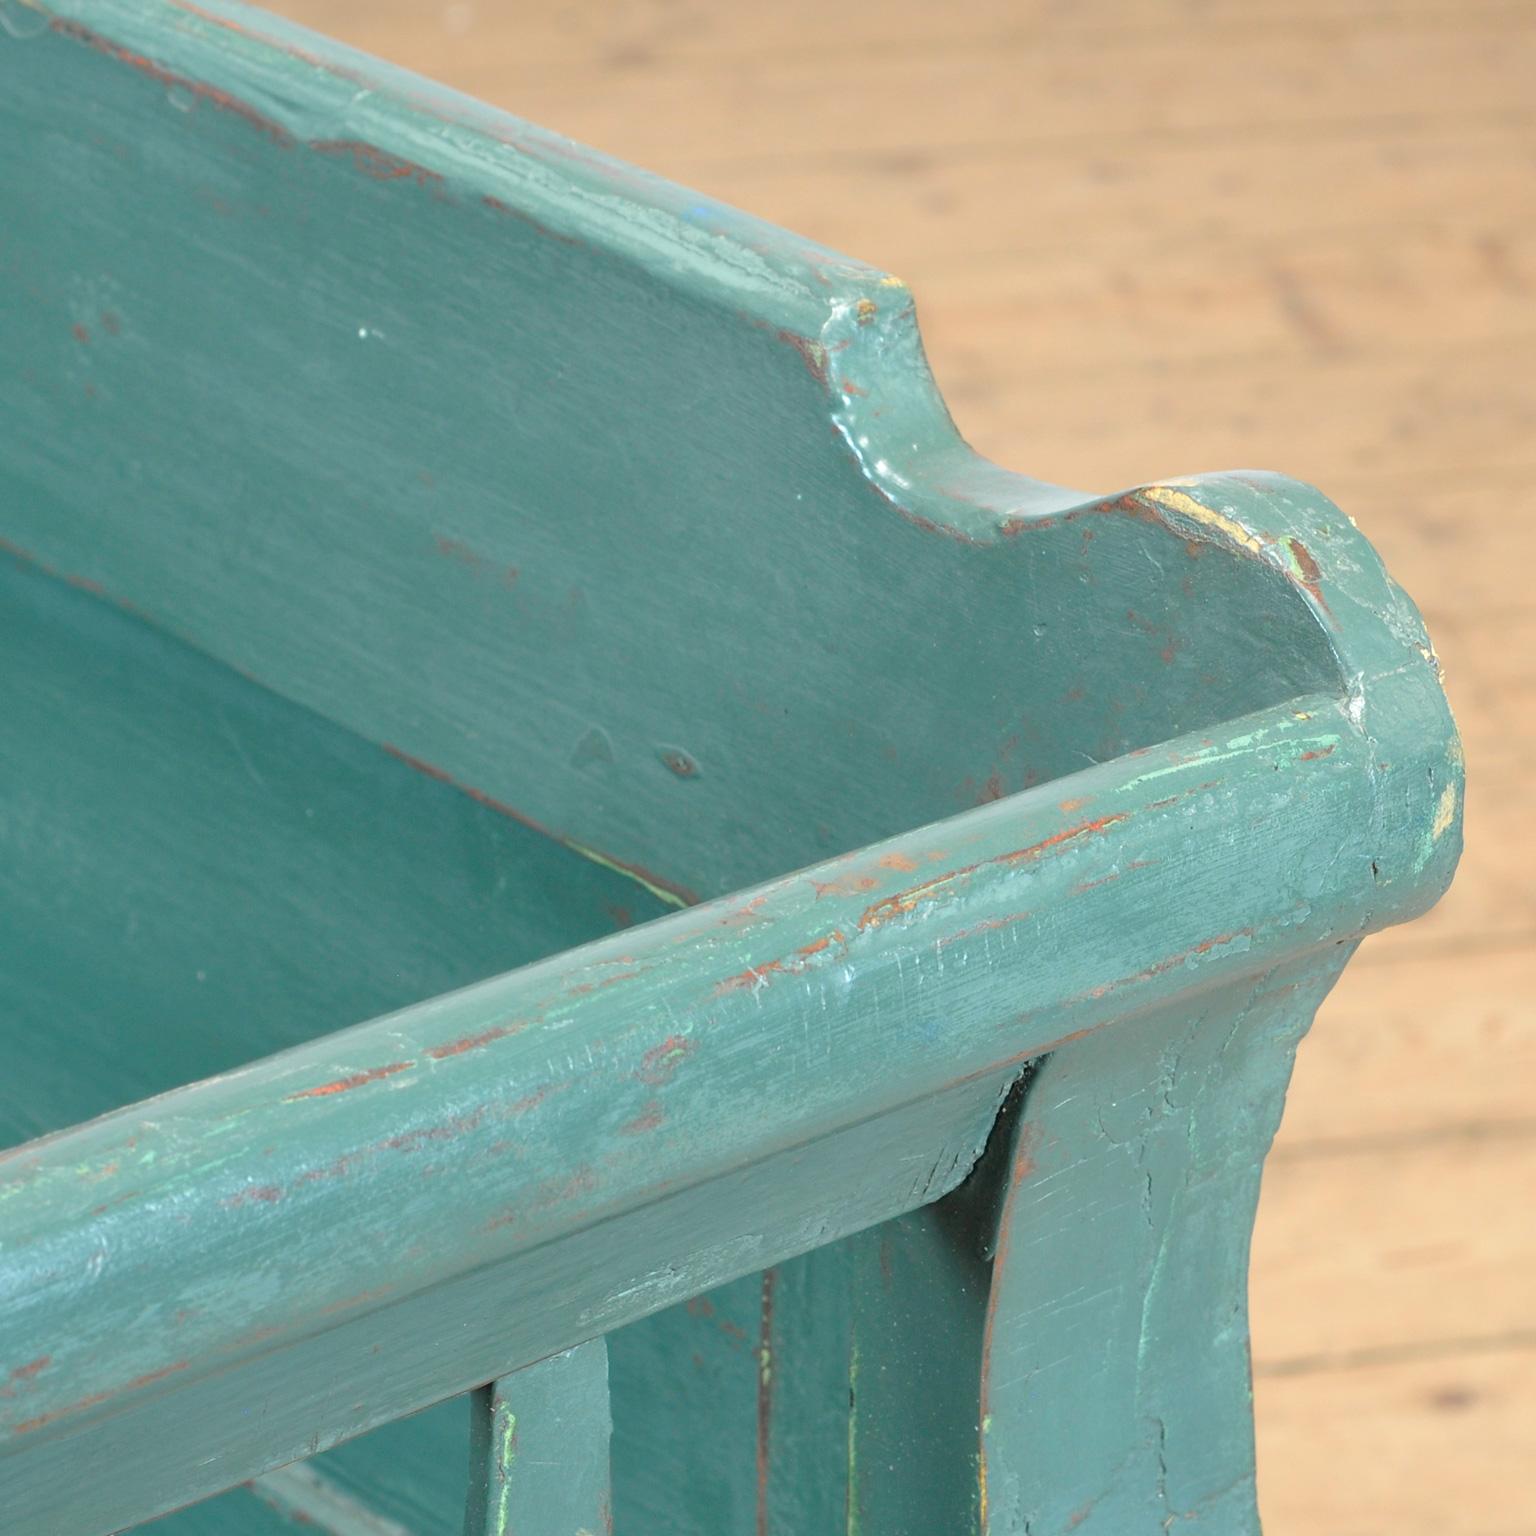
(600, 925)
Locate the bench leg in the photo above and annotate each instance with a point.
(538, 1454)
(1058, 1348)
(1115, 1392)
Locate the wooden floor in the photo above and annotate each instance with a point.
(1150, 237)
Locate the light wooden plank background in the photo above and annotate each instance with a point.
(1149, 237)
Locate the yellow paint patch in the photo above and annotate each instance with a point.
(1186, 506)
(671, 898)
(890, 280)
(1445, 812)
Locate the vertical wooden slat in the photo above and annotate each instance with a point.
(538, 1455)
(305, 1496)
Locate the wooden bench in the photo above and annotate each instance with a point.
(599, 923)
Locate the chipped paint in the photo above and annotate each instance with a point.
(663, 890)
(1445, 812)
(765, 1347)
(379, 164)
(509, 210)
(261, 1194)
(149, 1378)
(505, 1458)
(1243, 746)
(661, 1061)
(1071, 834)
(473, 1042)
(812, 353)
(1240, 938)
(214, 95)
(988, 925)
(844, 885)
(907, 901)
(1444, 817)
(650, 1118)
(22, 1374)
(676, 761)
(672, 894)
(1219, 522)
(816, 946)
(1307, 570)
(753, 976)
(356, 1080)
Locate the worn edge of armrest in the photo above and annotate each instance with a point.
(294, 1194)
(675, 1047)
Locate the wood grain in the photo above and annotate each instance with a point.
(1408, 1224)
(791, 99)
(1398, 1020)
(1442, 1444)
